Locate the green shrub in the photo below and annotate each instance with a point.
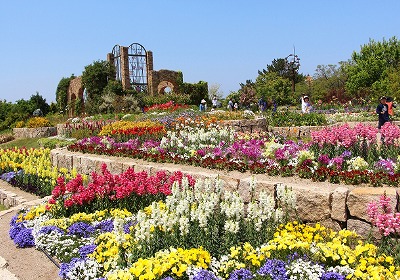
(287, 118)
(53, 143)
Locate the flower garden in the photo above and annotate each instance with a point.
(134, 225)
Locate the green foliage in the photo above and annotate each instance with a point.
(114, 87)
(53, 143)
(270, 85)
(21, 142)
(61, 93)
(95, 77)
(38, 102)
(197, 92)
(288, 118)
(369, 68)
(329, 83)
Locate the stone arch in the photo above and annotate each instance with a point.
(159, 80)
(163, 85)
(75, 91)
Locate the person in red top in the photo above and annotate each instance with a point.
(391, 105)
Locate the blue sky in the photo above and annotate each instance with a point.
(222, 42)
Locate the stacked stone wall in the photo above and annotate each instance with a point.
(34, 132)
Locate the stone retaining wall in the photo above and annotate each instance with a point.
(285, 131)
(10, 199)
(34, 132)
(335, 206)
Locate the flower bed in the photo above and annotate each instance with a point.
(199, 231)
(337, 154)
(31, 170)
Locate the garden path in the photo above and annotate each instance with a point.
(21, 263)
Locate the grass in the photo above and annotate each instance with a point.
(2, 207)
(21, 142)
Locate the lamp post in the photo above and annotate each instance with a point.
(293, 65)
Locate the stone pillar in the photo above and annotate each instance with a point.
(126, 84)
(110, 59)
(149, 62)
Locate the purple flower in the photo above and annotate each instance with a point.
(241, 274)
(274, 269)
(50, 229)
(23, 237)
(127, 226)
(332, 276)
(105, 226)
(385, 165)
(15, 229)
(346, 154)
(80, 229)
(323, 159)
(168, 278)
(65, 267)
(337, 163)
(204, 275)
(8, 176)
(201, 153)
(14, 220)
(86, 250)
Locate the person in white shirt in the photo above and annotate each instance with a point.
(305, 105)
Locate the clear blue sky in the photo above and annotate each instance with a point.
(221, 42)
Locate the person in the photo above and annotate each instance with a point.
(236, 106)
(203, 105)
(230, 105)
(214, 102)
(382, 111)
(391, 105)
(305, 105)
(261, 105)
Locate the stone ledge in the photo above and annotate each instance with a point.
(34, 132)
(10, 199)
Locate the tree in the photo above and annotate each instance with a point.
(38, 102)
(95, 77)
(247, 94)
(213, 90)
(368, 69)
(273, 87)
(62, 92)
(329, 82)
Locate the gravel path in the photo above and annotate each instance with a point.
(21, 263)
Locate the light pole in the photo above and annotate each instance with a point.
(293, 65)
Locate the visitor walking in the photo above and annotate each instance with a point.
(382, 111)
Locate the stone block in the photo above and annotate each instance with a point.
(339, 198)
(76, 163)
(143, 167)
(358, 199)
(313, 204)
(244, 189)
(362, 228)
(229, 183)
(265, 186)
